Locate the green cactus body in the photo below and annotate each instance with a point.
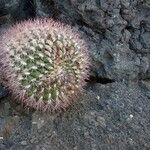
(48, 64)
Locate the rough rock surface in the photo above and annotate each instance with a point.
(113, 112)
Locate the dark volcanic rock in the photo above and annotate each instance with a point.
(113, 112)
(45, 8)
(119, 30)
(3, 92)
(16, 10)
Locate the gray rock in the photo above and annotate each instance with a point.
(117, 22)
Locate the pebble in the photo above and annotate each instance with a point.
(23, 142)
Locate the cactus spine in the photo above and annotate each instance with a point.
(44, 64)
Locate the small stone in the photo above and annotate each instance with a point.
(98, 97)
(131, 116)
(23, 142)
(32, 140)
(101, 121)
(34, 122)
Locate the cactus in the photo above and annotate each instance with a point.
(44, 64)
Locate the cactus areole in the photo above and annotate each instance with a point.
(43, 63)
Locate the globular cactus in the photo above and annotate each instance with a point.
(44, 64)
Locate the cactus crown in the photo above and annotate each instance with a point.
(49, 63)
